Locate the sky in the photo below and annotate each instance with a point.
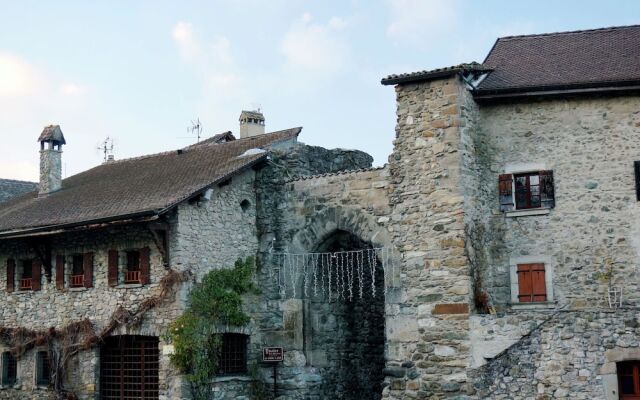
(141, 71)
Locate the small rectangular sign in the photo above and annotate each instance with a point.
(272, 354)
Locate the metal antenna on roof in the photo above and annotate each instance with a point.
(107, 148)
(196, 127)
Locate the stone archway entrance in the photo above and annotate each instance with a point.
(345, 337)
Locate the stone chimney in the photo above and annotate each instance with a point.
(51, 141)
(251, 124)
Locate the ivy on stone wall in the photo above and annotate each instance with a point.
(214, 302)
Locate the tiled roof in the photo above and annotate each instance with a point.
(565, 60)
(432, 74)
(10, 188)
(141, 186)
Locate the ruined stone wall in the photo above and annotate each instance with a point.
(429, 336)
(590, 144)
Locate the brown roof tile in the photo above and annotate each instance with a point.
(565, 60)
(149, 184)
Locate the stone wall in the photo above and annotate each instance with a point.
(570, 355)
(590, 144)
(429, 336)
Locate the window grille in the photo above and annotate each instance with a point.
(43, 369)
(233, 355)
(132, 273)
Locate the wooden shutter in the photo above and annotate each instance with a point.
(547, 191)
(87, 267)
(505, 192)
(531, 283)
(36, 274)
(144, 265)
(59, 272)
(11, 275)
(112, 268)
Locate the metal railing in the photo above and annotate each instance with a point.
(132, 277)
(77, 280)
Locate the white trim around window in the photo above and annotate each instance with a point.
(548, 280)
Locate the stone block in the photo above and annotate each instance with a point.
(452, 308)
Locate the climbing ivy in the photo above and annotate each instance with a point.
(215, 301)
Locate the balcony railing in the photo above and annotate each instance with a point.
(132, 277)
(77, 280)
(26, 284)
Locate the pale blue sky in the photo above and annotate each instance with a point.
(140, 71)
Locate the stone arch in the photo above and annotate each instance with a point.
(361, 322)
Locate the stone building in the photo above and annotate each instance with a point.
(493, 257)
(10, 188)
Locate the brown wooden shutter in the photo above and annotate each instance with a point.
(59, 272)
(144, 265)
(112, 268)
(87, 267)
(11, 275)
(36, 274)
(505, 192)
(531, 283)
(547, 191)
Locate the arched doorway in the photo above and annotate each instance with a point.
(345, 336)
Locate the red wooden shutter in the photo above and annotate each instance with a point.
(144, 265)
(112, 268)
(531, 283)
(11, 275)
(505, 192)
(87, 266)
(59, 272)
(547, 191)
(36, 274)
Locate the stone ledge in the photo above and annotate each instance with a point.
(526, 213)
(530, 306)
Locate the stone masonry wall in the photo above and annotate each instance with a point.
(430, 336)
(590, 144)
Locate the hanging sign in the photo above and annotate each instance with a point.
(272, 354)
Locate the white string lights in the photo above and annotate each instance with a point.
(336, 276)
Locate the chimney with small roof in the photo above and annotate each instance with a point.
(251, 124)
(51, 140)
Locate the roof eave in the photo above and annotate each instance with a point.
(558, 90)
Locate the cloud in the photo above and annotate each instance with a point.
(17, 77)
(419, 21)
(182, 34)
(71, 89)
(315, 48)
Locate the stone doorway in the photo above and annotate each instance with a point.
(129, 366)
(345, 339)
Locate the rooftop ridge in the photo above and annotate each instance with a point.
(194, 147)
(580, 31)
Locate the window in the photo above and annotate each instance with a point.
(132, 273)
(531, 283)
(233, 355)
(26, 275)
(9, 369)
(523, 191)
(629, 380)
(77, 270)
(43, 369)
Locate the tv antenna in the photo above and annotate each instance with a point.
(107, 149)
(195, 128)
